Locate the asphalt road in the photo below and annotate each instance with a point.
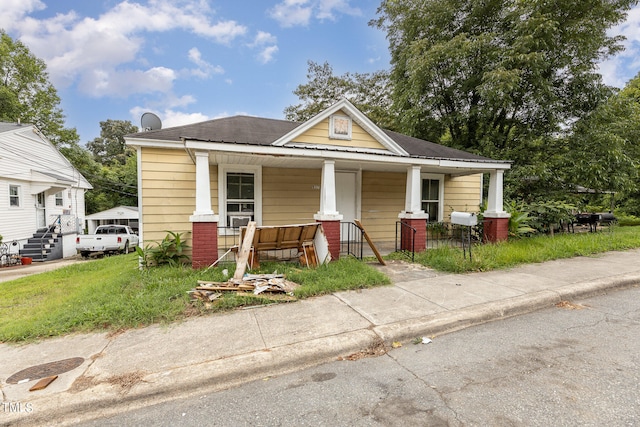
(574, 365)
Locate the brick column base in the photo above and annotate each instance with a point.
(332, 231)
(495, 229)
(406, 234)
(204, 244)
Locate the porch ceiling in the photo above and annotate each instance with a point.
(341, 164)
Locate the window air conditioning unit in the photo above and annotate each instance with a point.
(237, 221)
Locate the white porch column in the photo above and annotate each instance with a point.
(495, 196)
(412, 200)
(496, 220)
(203, 189)
(328, 210)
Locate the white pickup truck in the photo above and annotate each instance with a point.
(107, 239)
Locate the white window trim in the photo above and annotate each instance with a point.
(19, 195)
(223, 170)
(61, 199)
(440, 178)
(333, 134)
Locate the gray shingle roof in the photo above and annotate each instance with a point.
(261, 131)
(238, 129)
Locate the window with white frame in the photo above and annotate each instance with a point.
(14, 195)
(59, 199)
(432, 189)
(239, 196)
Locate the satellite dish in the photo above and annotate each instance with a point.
(150, 121)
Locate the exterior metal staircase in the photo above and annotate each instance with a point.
(45, 245)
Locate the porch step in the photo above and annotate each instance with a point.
(43, 246)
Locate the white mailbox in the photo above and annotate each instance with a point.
(464, 218)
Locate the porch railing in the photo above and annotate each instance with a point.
(351, 239)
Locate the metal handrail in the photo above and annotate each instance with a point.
(51, 227)
(354, 241)
(407, 235)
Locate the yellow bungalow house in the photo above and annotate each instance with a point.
(338, 166)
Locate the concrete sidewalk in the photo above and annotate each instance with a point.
(206, 354)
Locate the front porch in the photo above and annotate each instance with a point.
(332, 192)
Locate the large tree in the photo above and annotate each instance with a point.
(369, 92)
(497, 76)
(27, 95)
(603, 152)
(110, 147)
(112, 167)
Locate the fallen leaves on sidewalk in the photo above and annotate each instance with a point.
(126, 381)
(568, 305)
(376, 349)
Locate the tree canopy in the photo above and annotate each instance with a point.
(369, 92)
(111, 167)
(110, 147)
(603, 154)
(494, 76)
(27, 95)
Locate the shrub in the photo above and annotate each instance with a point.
(168, 251)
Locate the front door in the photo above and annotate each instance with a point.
(346, 195)
(40, 211)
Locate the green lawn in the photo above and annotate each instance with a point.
(529, 250)
(112, 294)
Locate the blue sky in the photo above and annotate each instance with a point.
(193, 60)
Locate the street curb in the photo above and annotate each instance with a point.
(443, 323)
(595, 287)
(451, 321)
(103, 399)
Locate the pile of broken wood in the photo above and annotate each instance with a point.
(269, 286)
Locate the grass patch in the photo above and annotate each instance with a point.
(113, 294)
(529, 250)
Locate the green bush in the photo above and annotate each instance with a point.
(169, 251)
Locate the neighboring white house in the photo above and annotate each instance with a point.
(120, 215)
(39, 190)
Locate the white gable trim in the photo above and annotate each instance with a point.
(355, 115)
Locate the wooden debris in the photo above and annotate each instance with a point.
(370, 242)
(256, 284)
(245, 250)
(43, 383)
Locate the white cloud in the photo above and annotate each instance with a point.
(328, 8)
(618, 70)
(267, 43)
(111, 83)
(266, 55)
(263, 38)
(168, 117)
(177, 118)
(13, 12)
(92, 51)
(292, 13)
(205, 69)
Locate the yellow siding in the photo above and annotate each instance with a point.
(290, 196)
(382, 200)
(462, 194)
(168, 192)
(319, 134)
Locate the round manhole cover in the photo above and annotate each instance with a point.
(46, 370)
